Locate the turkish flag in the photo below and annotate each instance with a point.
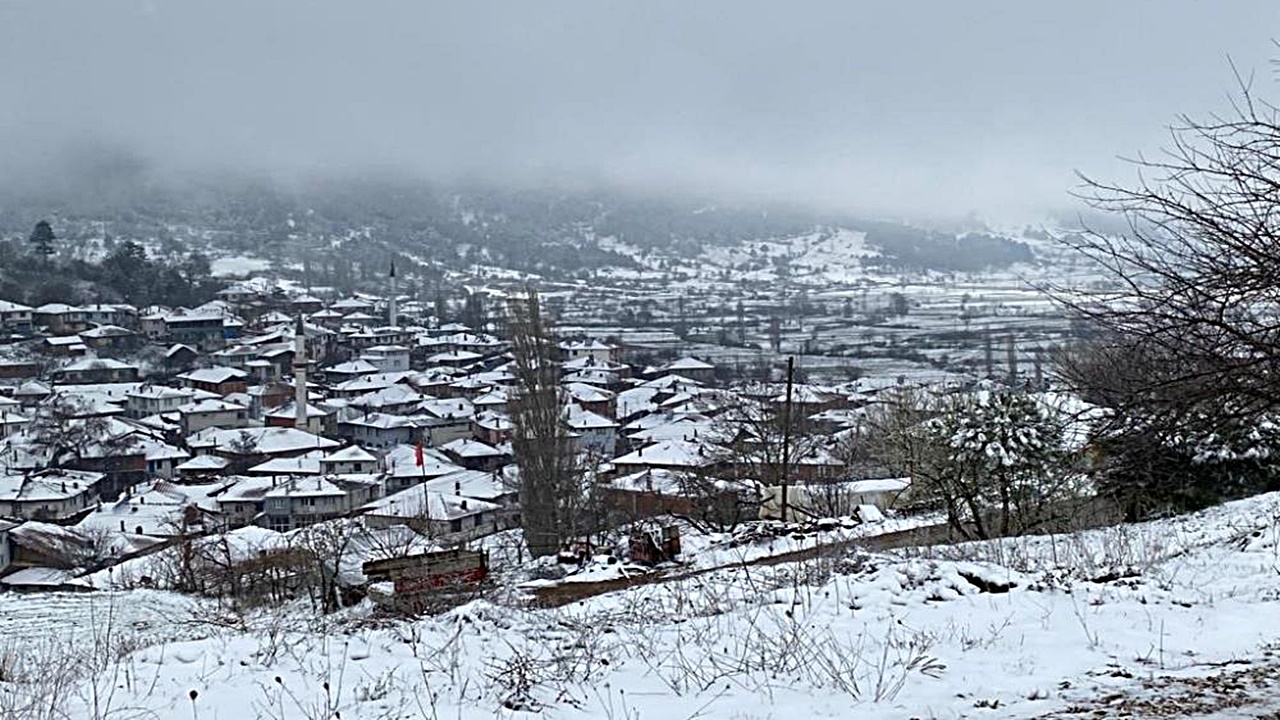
(417, 455)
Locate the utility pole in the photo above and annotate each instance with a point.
(988, 360)
(1012, 358)
(786, 434)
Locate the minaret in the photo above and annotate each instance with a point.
(391, 305)
(300, 375)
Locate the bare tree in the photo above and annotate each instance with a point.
(1189, 341)
(324, 547)
(65, 427)
(551, 472)
(1198, 271)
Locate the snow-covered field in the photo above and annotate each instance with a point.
(1013, 629)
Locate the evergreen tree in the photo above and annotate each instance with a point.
(42, 238)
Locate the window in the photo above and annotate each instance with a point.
(455, 525)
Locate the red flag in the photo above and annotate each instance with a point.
(417, 455)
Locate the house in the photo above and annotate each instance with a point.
(205, 330)
(59, 318)
(387, 358)
(15, 317)
(202, 466)
(151, 322)
(443, 421)
(690, 368)
(305, 304)
(660, 491)
(675, 455)
(31, 393)
(590, 364)
(594, 434)
(220, 381)
(301, 465)
(473, 342)
(491, 428)
(40, 547)
(118, 314)
(212, 412)
(440, 516)
(347, 306)
(398, 399)
(11, 422)
(109, 337)
(347, 461)
(455, 358)
(242, 501)
(468, 387)
(319, 420)
(64, 346)
(475, 455)
(48, 494)
(492, 401)
(18, 369)
(593, 399)
(379, 430)
(401, 468)
(180, 357)
(156, 399)
(342, 372)
(158, 509)
(594, 349)
(90, 371)
(493, 487)
(162, 458)
(298, 502)
(247, 447)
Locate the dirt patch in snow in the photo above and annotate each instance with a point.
(1236, 690)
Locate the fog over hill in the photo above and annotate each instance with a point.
(920, 109)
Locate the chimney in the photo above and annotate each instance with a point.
(300, 375)
(464, 504)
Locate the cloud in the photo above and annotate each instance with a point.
(889, 106)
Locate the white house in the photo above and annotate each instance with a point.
(387, 358)
(158, 399)
(349, 460)
(48, 494)
(594, 433)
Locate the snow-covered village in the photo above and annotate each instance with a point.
(639, 361)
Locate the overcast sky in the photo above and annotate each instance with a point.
(942, 105)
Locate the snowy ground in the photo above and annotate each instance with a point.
(1117, 622)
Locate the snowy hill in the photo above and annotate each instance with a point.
(1175, 611)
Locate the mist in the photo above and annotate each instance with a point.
(913, 107)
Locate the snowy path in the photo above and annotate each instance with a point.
(560, 594)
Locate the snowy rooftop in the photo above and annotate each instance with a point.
(468, 448)
(260, 441)
(203, 463)
(418, 502)
(214, 375)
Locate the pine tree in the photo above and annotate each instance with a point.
(42, 238)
